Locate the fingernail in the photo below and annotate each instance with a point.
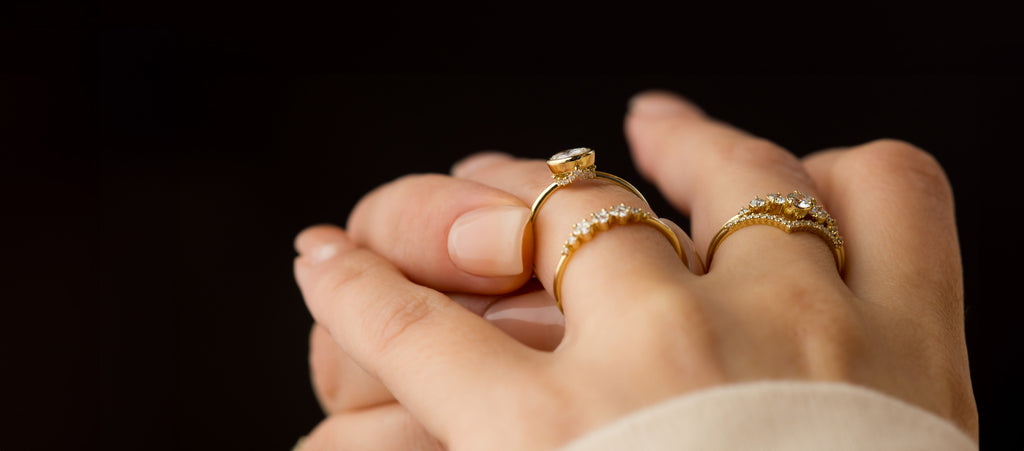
(658, 104)
(533, 319)
(489, 241)
(321, 253)
(319, 243)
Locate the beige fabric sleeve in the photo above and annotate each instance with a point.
(779, 416)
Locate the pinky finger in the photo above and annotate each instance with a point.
(384, 428)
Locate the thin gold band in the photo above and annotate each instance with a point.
(795, 212)
(603, 220)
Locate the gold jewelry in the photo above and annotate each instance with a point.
(571, 165)
(795, 212)
(585, 230)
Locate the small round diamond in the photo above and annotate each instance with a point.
(621, 211)
(581, 228)
(819, 213)
(800, 200)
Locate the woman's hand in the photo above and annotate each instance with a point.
(639, 326)
(465, 238)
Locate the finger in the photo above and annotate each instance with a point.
(710, 170)
(530, 316)
(341, 385)
(904, 257)
(896, 208)
(410, 337)
(637, 253)
(449, 234)
(696, 262)
(383, 428)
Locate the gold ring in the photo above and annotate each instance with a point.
(586, 229)
(571, 165)
(795, 212)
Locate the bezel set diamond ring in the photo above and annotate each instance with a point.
(578, 164)
(574, 165)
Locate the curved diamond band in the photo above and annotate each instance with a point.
(586, 229)
(571, 165)
(795, 212)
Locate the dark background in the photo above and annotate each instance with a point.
(156, 163)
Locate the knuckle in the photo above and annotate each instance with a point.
(346, 278)
(754, 151)
(417, 182)
(763, 154)
(391, 317)
(903, 163)
(377, 205)
(384, 315)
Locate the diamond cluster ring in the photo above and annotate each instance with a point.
(586, 229)
(794, 212)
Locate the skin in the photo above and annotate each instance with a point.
(398, 365)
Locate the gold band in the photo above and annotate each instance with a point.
(572, 165)
(602, 220)
(795, 212)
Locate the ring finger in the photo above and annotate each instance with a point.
(710, 170)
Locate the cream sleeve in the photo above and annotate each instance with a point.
(779, 416)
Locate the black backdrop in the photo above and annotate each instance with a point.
(158, 164)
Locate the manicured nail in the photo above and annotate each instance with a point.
(533, 319)
(657, 104)
(489, 241)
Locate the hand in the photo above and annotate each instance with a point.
(478, 247)
(639, 327)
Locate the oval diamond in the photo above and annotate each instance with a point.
(566, 154)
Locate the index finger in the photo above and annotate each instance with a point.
(438, 359)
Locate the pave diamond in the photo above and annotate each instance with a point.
(621, 211)
(581, 228)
